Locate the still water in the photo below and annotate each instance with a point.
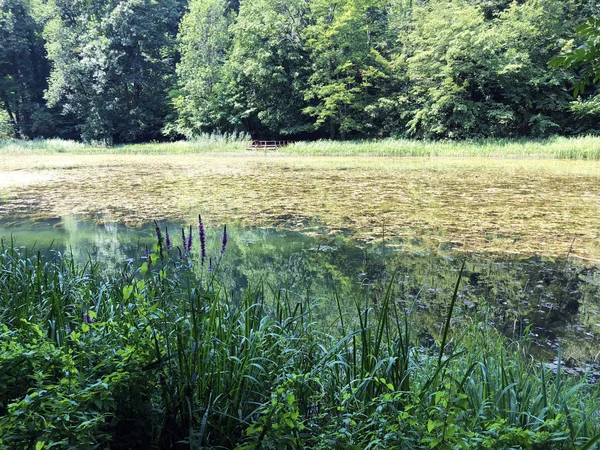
(555, 303)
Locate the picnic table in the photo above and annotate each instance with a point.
(267, 145)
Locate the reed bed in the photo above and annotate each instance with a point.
(584, 148)
(206, 144)
(159, 355)
(578, 148)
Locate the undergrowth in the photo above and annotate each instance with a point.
(159, 356)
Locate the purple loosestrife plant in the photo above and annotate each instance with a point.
(167, 238)
(202, 235)
(225, 239)
(189, 242)
(210, 266)
(159, 238)
(148, 257)
(183, 240)
(88, 319)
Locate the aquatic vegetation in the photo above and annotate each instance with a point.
(488, 205)
(577, 148)
(162, 356)
(202, 239)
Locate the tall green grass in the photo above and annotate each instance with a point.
(581, 148)
(160, 356)
(205, 144)
(585, 148)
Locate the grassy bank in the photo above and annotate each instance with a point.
(160, 357)
(214, 144)
(585, 148)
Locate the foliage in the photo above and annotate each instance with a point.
(204, 40)
(6, 126)
(348, 67)
(111, 65)
(24, 69)
(473, 76)
(269, 65)
(586, 55)
(426, 69)
(160, 355)
(586, 59)
(116, 71)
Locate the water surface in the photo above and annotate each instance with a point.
(554, 302)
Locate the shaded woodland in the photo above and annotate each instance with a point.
(117, 71)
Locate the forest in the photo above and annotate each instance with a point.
(121, 71)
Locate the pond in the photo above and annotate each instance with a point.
(555, 302)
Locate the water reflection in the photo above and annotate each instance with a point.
(554, 302)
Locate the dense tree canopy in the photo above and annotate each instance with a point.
(112, 65)
(23, 67)
(132, 70)
(586, 58)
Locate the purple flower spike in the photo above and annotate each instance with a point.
(202, 235)
(167, 238)
(158, 233)
(225, 239)
(160, 240)
(183, 239)
(189, 243)
(68, 328)
(148, 257)
(210, 266)
(88, 319)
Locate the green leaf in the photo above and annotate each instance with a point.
(127, 291)
(431, 425)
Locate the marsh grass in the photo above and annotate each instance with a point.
(160, 356)
(586, 148)
(206, 144)
(579, 148)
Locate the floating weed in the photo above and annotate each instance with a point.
(509, 206)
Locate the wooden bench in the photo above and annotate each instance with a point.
(267, 145)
